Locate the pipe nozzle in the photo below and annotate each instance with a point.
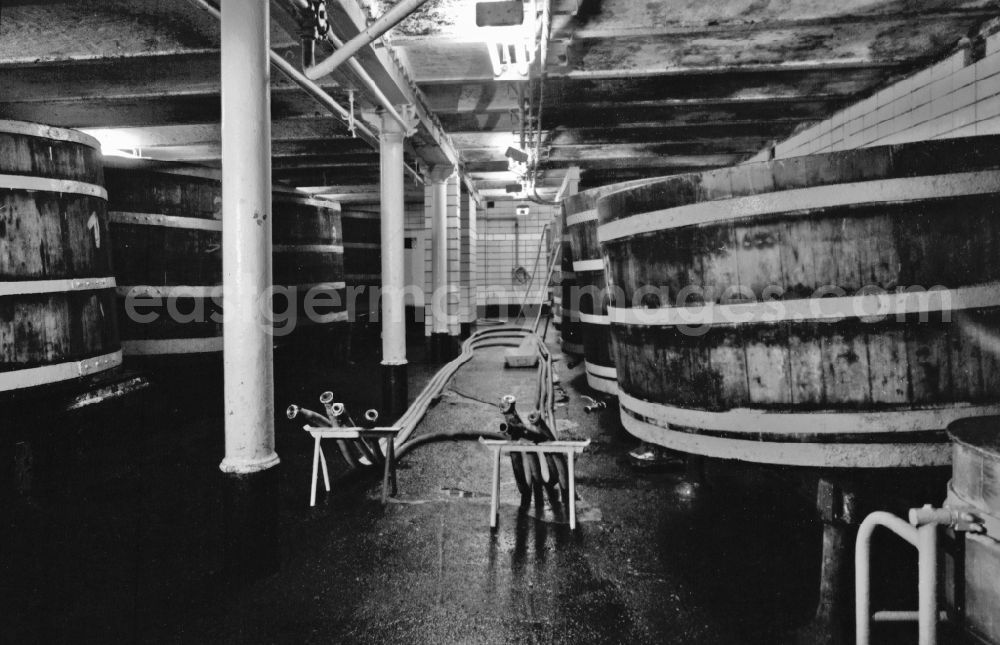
(292, 411)
(371, 415)
(326, 397)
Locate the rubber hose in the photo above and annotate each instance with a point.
(437, 437)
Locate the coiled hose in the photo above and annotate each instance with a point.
(365, 453)
(506, 336)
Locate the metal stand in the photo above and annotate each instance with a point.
(341, 434)
(569, 449)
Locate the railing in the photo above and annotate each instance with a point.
(921, 532)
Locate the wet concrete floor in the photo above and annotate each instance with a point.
(119, 540)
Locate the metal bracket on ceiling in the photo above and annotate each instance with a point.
(320, 19)
(350, 119)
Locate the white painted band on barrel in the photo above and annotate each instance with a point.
(588, 265)
(864, 306)
(303, 199)
(572, 314)
(170, 221)
(557, 300)
(207, 291)
(362, 245)
(30, 129)
(594, 319)
(320, 286)
(323, 319)
(601, 370)
(750, 421)
(307, 248)
(601, 384)
(799, 200)
(27, 287)
(816, 455)
(353, 214)
(45, 374)
(170, 291)
(48, 185)
(581, 217)
(608, 386)
(153, 347)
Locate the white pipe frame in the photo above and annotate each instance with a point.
(922, 533)
(246, 252)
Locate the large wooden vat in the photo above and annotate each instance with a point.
(308, 263)
(362, 259)
(831, 310)
(571, 338)
(589, 296)
(57, 307)
(166, 227)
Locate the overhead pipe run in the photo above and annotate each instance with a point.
(370, 85)
(312, 89)
(387, 21)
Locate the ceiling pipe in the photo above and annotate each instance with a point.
(371, 86)
(368, 35)
(312, 89)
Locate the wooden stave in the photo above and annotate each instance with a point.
(595, 337)
(163, 191)
(570, 333)
(773, 451)
(309, 251)
(362, 259)
(56, 280)
(38, 150)
(945, 156)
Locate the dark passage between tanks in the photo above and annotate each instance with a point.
(115, 537)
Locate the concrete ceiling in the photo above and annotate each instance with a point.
(630, 89)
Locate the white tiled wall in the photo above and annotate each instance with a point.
(955, 97)
(469, 274)
(501, 251)
(454, 255)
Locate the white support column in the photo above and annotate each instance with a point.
(251, 486)
(246, 226)
(439, 242)
(394, 391)
(439, 177)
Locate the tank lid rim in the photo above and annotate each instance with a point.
(56, 133)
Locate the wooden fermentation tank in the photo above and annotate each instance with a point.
(829, 310)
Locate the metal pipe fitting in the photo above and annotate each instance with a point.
(384, 23)
(293, 411)
(339, 413)
(371, 416)
(507, 403)
(927, 514)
